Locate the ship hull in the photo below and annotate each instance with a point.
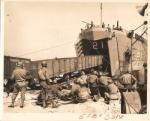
(120, 52)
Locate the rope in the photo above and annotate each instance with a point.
(130, 105)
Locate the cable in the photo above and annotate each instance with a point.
(144, 23)
(37, 51)
(130, 105)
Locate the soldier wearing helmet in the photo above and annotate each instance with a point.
(112, 92)
(44, 64)
(82, 78)
(103, 81)
(128, 80)
(92, 81)
(79, 91)
(19, 75)
(43, 79)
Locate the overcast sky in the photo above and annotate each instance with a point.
(41, 30)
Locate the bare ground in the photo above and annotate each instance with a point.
(87, 107)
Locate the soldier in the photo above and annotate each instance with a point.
(108, 27)
(79, 91)
(127, 55)
(87, 26)
(103, 25)
(83, 92)
(54, 93)
(83, 78)
(112, 93)
(92, 81)
(103, 81)
(43, 79)
(128, 81)
(92, 24)
(19, 75)
(75, 87)
(113, 26)
(103, 78)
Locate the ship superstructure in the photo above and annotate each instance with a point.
(121, 49)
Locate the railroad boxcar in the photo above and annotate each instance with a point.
(10, 64)
(61, 66)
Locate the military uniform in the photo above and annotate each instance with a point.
(82, 80)
(43, 77)
(75, 89)
(103, 80)
(80, 88)
(92, 82)
(52, 93)
(113, 92)
(19, 75)
(128, 80)
(55, 90)
(64, 93)
(83, 94)
(79, 92)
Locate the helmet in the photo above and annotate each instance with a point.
(100, 67)
(101, 73)
(55, 81)
(92, 70)
(82, 82)
(44, 64)
(76, 81)
(109, 80)
(82, 73)
(19, 64)
(95, 73)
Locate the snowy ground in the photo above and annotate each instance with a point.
(87, 107)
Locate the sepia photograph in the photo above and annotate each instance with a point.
(85, 58)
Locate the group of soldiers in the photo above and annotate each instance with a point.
(93, 86)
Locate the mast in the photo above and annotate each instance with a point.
(101, 14)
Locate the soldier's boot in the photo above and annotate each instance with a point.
(95, 98)
(8, 93)
(54, 104)
(44, 104)
(13, 100)
(12, 105)
(99, 94)
(107, 100)
(22, 104)
(22, 98)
